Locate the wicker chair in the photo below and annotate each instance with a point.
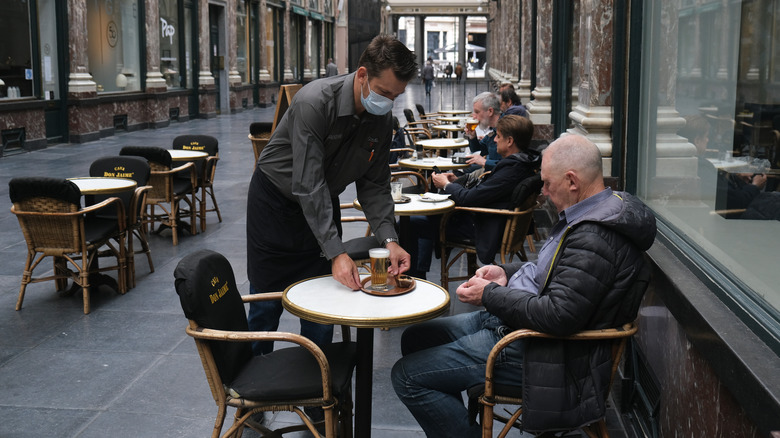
(205, 170)
(166, 188)
(518, 223)
(54, 224)
(490, 394)
(284, 380)
(414, 182)
(138, 170)
(259, 134)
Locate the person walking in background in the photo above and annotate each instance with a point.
(427, 76)
(331, 69)
(458, 72)
(448, 72)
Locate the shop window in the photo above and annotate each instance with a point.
(15, 53)
(242, 41)
(710, 129)
(114, 47)
(273, 48)
(170, 34)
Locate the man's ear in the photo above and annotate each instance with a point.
(573, 180)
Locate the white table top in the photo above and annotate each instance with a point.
(417, 207)
(102, 185)
(182, 155)
(326, 301)
(443, 143)
(442, 163)
(455, 112)
(449, 128)
(451, 119)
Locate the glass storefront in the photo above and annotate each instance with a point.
(273, 51)
(114, 47)
(710, 120)
(15, 57)
(170, 33)
(242, 40)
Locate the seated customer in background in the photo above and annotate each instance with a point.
(510, 103)
(493, 189)
(584, 279)
(487, 110)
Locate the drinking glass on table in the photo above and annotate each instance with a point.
(380, 260)
(396, 188)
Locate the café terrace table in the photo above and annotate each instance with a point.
(182, 155)
(451, 119)
(451, 130)
(455, 112)
(326, 301)
(427, 164)
(442, 145)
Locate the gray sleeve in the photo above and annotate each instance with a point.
(373, 191)
(308, 128)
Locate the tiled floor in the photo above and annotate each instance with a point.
(128, 369)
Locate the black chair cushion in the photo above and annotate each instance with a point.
(409, 115)
(98, 229)
(293, 373)
(23, 188)
(151, 153)
(208, 294)
(181, 185)
(130, 167)
(201, 143)
(358, 247)
(420, 109)
(258, 128)
(527, 187)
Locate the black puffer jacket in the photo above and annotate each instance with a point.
(596, 280)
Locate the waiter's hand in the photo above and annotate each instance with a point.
(345, 271)
(400, 260)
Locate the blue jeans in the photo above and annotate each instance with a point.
(441, 359)
(428, 86)
(264, 316)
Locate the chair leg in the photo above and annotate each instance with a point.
(145, 247)
(216, 206)
(202, 203)
(130, 255)
(26, 278)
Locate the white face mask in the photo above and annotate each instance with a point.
(375, 104)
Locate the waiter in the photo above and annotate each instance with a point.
(337, 131)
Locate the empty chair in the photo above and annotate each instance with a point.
(259, 134)
(137, 169)
(166, 189)
(284, 380)
(205, 170)
(54, 225)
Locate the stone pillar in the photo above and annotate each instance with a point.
(288, 74)
(265, 75)
(234, 77)
(592, 116)
(323, 55)
(527, 23)
(206, 87)
(157, 106)
(462, 45)
(419, 39)
(308, 73)
(83, 118)
(540, 107)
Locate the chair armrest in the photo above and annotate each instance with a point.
(120, 210)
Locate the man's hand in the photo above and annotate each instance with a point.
(442, 179)
(400, 261)
(345, 271)
(492, 273)
(471, 291)
(479, 160)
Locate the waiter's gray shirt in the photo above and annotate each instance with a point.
(320, 146)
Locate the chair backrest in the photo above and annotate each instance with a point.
(48, 195)
(134, 168)
(420, 109)
(259, 128)
(409, 114)
(524, 198)
(417, 182)
(286, 94)
(201, 143)
(153, 154)
(209, 296)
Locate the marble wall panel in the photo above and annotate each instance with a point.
(32, 120)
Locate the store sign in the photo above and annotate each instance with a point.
(167, 30)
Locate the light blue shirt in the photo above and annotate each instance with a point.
(529, 278)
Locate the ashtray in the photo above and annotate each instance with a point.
(403, 200)
(407, 285)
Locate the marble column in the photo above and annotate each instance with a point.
(592, 115)
(234, 77)
(512, 41)
(419, 39)
(206, 87)
(308, 73)
(83, 117)
(462, 45)
(155, 82)
(323, 56)
(527, 23)
(265, 75)
(287, 75)
(540, 107)
(676, 163)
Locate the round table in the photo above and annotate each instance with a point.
(455, 112)
(103, 185)
(451, 119)
(443, 144)
(182, 155)
(326, 301)
(427, 164)
(450, 129)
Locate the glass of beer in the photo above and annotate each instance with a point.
(471, 124)
(380, 261)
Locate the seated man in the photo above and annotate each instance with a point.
(584, 279)
(510, 103)
(493, 189)
(487, 110)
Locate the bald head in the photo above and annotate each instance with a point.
(571, 170)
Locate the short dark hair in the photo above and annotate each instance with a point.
(509, 95)
(521, 129)
(384, 52)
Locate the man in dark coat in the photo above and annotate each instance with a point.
(585, 278)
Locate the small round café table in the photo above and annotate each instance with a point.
(182, 155)
(451, 130)
(455, 112)
(326, 301)
(103, 185)
(427, 164)
(442, 145)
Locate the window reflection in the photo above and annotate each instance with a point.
(114, 49)
(170, 31)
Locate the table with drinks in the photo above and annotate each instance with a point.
(442, 145)
(326, 301)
